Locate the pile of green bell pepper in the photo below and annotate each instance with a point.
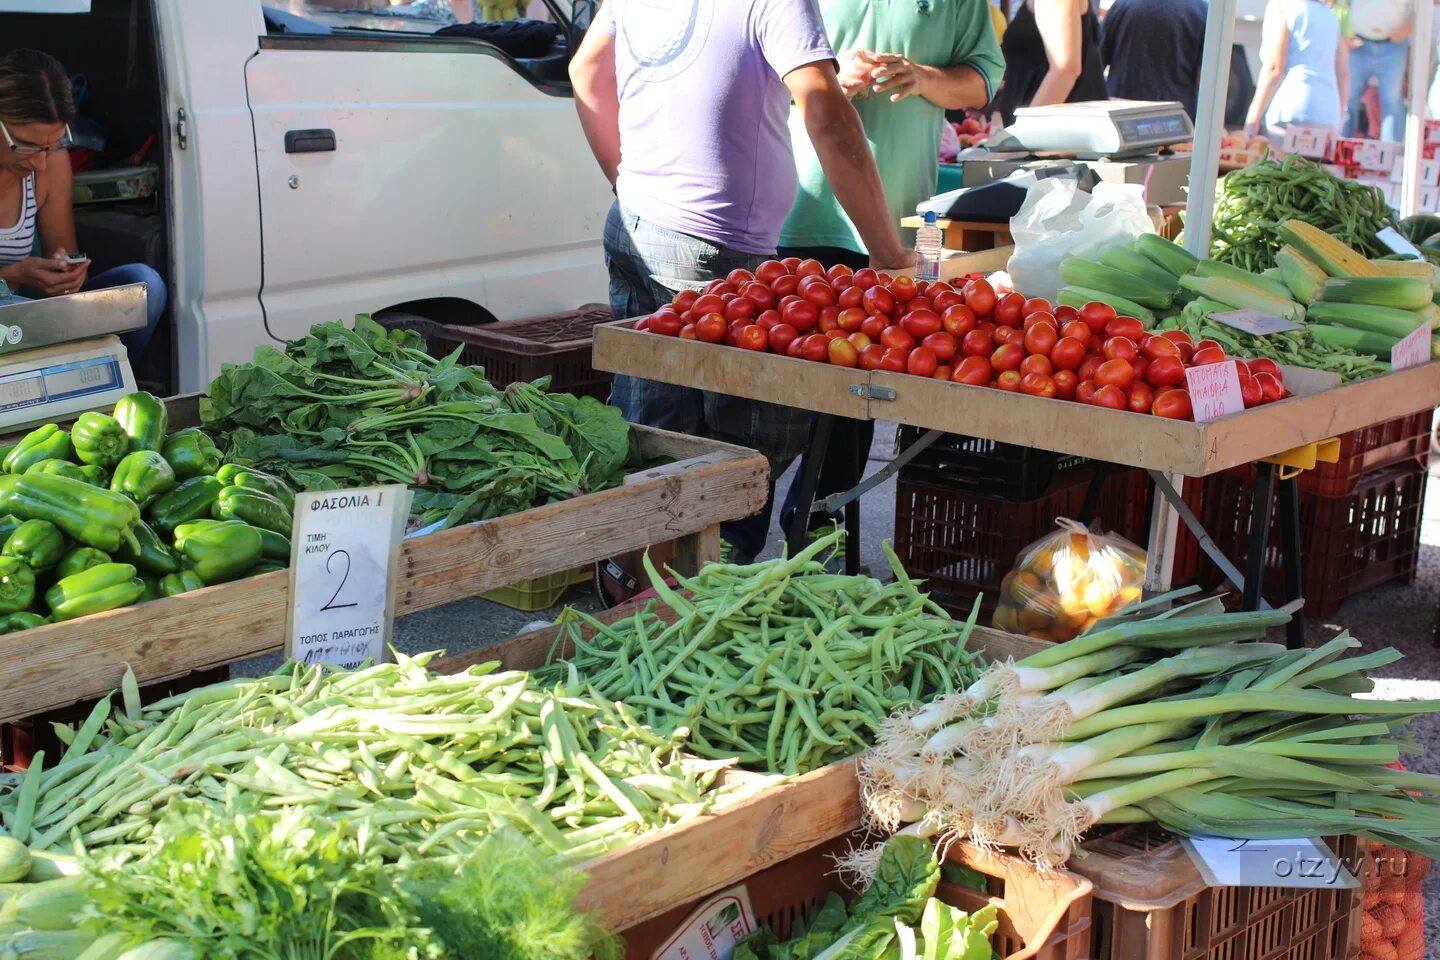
(116, 510)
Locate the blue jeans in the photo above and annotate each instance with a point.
(1385, 61)
(136, 341)
(641, 257)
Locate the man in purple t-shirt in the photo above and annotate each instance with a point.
(685, 104)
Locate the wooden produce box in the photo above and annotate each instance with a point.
(684, 863)
(707, 484)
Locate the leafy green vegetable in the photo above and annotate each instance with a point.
(906, 879)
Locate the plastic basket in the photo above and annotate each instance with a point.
(1150, 903)
(1401, 441)
(1000, 470)
(1347, 544)
(557, 346)
(963, 544)
(1042, 916)
(539, 593)
(1393, 921)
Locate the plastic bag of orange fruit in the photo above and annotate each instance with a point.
(1065, 582)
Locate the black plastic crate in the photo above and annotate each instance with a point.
(989, 468)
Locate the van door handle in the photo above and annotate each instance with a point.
(309, 141)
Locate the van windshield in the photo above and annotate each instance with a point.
(416, 16)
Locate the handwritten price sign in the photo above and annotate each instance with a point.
(1413, 350)
(344, 545)
(1214, 390)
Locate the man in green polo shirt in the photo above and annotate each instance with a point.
(905, 62)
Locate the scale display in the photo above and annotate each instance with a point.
(62, 381)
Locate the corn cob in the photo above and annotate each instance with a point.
(1401, 293)
(1083, 273)
(1214, 268)
(51, 905)
(1329, 254)
(1079, 296)
(1242, 296)
(109, 947)
(1122, 256)
(1360, 341)
(1360, 316)
(1405, 268)
(1303, 278)
(1171, 256)
(47, 945)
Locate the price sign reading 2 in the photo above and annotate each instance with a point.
(344, 549)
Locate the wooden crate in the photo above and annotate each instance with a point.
(686, 500)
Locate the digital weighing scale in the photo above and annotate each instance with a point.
(1095, 129)
(61, 356)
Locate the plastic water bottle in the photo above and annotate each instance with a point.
(928, 249)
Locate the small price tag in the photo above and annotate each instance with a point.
(1214, 390)
(1397, 243)
(1413, 349)
(344, 545)
(713, 929)
(1302, 863)
(1255, 322)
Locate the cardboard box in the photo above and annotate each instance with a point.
(1429, 172)
(1311, 142)
(1357, 152)
(1170, 176)
(1432, 131)
(1429, 200)
(1390, 151)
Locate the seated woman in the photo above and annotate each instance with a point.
(35, 193)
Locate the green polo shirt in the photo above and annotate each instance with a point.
(904, 136)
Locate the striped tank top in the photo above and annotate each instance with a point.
(18, 239)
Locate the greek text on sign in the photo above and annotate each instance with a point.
(344, 545)
(1412, 350)
(1214, 390)
(1255, 322)
(712, 929)
(1301, 863)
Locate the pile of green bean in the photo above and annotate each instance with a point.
(420, 764)
(781, 665)
(1296, 347)
(1250, 205)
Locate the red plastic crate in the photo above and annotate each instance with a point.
(963, 544)
(1362, 452)
(1347, 544)
(1187, 549)
(557, 346)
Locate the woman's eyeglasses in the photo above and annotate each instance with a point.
(31, 149)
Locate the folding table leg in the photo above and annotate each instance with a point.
(1260, 512)
(1293, 562)
(809, 480)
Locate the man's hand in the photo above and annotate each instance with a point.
(900, 77)
(905, 260)
(856, 68)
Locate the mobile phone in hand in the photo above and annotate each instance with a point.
(74, 258)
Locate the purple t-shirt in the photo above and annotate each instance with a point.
(704, 139)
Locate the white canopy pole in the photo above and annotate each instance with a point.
(1200, 210)
(1421, 59)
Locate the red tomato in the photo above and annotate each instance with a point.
(1009, 335)
(797, 348)
(1173, 405)
(1139, 399)
(859, 340)
(1065, 314)
(754, 337)
(830, 317)
(642, 325)
(759, 294)
(958, 320)
(1010, 310)
(974, 371)
(732, 332)
(738, 277)
(711, 328)
(781, 336)
(1153, 348)
(843, 353)
(1009, 380)
(1036, 363)
(870, 357)
(920, 303)
(709, 303)
(921, 362)
(770, 271)
(895, 361)
(866, 278)
(851, 296)
(1115, 372)
(1097, 315)
(841, 284)
(904, 289)
(802, 315)
(1067, 354)
(1076, 330)
(839, 270)
(1037, 305)
(1037, 385)
(873, 327)
(809, 268)
(1007, 356)
(942, 372)
(1264, 365)
(1032, 319)
(921, 323)
(1041, 339)
(1165, 372)
(788, 299)
(980, 297)
(1111, 396)
(718, 287)
(878, 301)
(815, 347)
(1270, 386)
(944, 300)
(741, 308)
(944, 344)
(1250, 391)
(786, 285)
(1209, 345)
(1206, 356)
(978, 343)
(853, 319)
(1140, 366)
(665, 324)
(1120, 348)
(898, 338)
(791, 264)
(685, 299)
(687, 332)
(1085, 391)
(1088, 366)
(1065, 384)
(1125, 327)
(987, 326)
(817, 290)
(1178, 336)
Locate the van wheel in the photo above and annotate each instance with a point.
(428, 329)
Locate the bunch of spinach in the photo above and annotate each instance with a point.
(896, 918)
(346, 407)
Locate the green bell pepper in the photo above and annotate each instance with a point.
(239, 475)
(174, 584)
(142, 476)
(43, 443)
(264, 567)
(144, 419)
(97, 518)
(194, 499)
(38, 542)
(218, 550)
(96, 476)
(106, 587)
(17, 585)
(8, 525)
(274, 546)
(24, 620)
(153, 556)
(152, 588)
(191, 453)
(58, 468)
(253, 507)
(79, 560)
(99, 440)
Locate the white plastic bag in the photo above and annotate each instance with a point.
(1060, 220)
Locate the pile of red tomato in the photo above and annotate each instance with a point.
(967, 334)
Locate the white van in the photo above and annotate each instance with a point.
(318, 160)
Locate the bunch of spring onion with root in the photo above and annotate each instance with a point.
(1180, 715)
